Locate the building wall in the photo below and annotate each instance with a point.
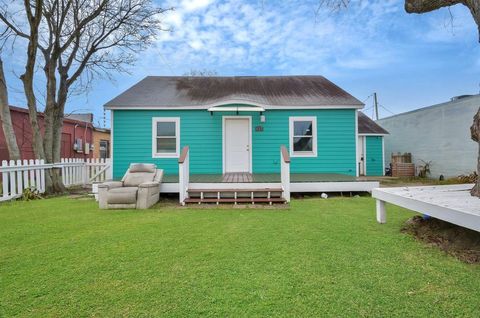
(23, 132)
(132, 140)
(97, 136)
(374, 156)
(439, 133)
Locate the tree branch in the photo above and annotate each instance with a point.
(422, 6)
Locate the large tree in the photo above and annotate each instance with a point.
(71, 42)
(423, 6)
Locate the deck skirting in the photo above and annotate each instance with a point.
(343, 186)
(298, 187)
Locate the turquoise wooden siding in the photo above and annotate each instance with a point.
(374, 154)
(132, 140)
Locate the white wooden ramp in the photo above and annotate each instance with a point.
(451, 203)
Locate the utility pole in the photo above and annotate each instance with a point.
(375, 105)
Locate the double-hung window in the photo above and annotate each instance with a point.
(303, 136)
(165, 137)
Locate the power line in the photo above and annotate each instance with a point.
(388, 110)
(367, 98)
(368, 108)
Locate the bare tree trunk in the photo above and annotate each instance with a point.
(8, 131)
(27, 79)
(475, 134)
(57, 125)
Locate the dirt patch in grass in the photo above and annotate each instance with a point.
(455, 240)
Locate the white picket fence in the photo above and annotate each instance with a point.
(24, 174)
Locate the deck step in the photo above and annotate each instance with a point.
(256, 195)
(234, 190)
(237, 200)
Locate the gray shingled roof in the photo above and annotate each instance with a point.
(178, 91)
(368, 126)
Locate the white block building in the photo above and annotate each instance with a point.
(438, 133)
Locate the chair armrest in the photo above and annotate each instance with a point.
(149, 184)
(110, 185)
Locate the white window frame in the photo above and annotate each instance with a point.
(156, 120)
(312, 153)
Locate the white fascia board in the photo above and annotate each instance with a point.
(266, 107)
(236, 109)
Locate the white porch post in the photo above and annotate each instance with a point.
(285, 172)
(381, 212)
(183, 174)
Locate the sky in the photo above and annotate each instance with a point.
(409, 60)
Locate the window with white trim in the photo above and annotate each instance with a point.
(165, 137)
(303, 136)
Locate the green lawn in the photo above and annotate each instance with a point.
(64, 257)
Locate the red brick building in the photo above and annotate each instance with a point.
(77, 136)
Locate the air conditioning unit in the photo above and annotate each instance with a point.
(77, 146)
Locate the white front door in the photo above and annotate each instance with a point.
(237, 144)
(361, 155)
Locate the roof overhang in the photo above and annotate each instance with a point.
(207, 106)
(228, 102)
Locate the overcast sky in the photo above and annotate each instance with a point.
(411, 61)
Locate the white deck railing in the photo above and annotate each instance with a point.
(30, 174)
(285, 172)
(183, 174)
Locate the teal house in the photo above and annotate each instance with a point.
(247, 132)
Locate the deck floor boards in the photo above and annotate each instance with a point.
(452, 203)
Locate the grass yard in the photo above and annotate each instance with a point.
(63, 257)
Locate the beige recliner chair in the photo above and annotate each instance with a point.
(139, 188)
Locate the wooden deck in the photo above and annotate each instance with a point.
(299, 182)
(238, 177)
(262, 178)
(451, 203)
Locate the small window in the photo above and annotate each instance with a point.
(303, 136)
(104, 149)
(166, 137)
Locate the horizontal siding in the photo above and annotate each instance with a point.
(132, 140)
(335, 142)
(374, 155)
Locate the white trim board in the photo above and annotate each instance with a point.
(383, 156)
(291, 124)
(361, 163)
(357, 157)
(111, 142)
(250, 165)
(156, 120)
(365, 157)
(353, 186)
(236, 102)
